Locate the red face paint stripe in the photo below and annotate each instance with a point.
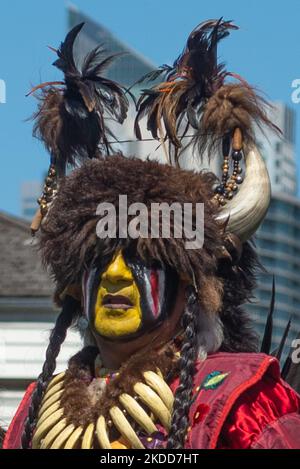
(154, 290)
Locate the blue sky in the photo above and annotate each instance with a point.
(266, 51)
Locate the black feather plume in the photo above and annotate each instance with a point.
(200, 60)
(71, 117)
(267, 338)
(278, 352)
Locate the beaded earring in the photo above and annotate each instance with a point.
(49, 191)
(229, 184)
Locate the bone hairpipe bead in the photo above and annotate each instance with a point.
(36, 222)
(237, 139)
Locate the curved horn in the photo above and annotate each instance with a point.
(248, 208)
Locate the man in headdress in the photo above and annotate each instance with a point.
(170, 359)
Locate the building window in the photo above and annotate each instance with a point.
(289, 125)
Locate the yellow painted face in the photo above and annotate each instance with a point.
(117, 309)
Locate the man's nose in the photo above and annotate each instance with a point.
(118, 270)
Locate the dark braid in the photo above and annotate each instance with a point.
(57, 337)
(2, 436)
(189, 351)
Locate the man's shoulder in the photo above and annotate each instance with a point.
(239, 366)
(219, 382)
(13, 435)
(242, 362)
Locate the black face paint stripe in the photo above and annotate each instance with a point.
(167, 290)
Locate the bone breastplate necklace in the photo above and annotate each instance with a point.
(132, 420)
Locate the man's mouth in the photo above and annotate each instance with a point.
(117, 302)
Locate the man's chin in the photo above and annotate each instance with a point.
(118, 324)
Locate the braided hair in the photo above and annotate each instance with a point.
(57, 337)
(2, 436)
(189, 352)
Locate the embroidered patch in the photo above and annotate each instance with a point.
(213, 380)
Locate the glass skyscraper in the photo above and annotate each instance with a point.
(278, 239)
(128, 68)
(30, 192)
(278, 247)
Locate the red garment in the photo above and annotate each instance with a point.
(13, 435)
(239, 402)
(265, 416)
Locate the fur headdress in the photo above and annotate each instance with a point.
(68, 237)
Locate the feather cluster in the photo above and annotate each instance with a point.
(195, 96)
(70, 119)
(194, 77)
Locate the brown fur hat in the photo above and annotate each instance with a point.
(69, 242)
